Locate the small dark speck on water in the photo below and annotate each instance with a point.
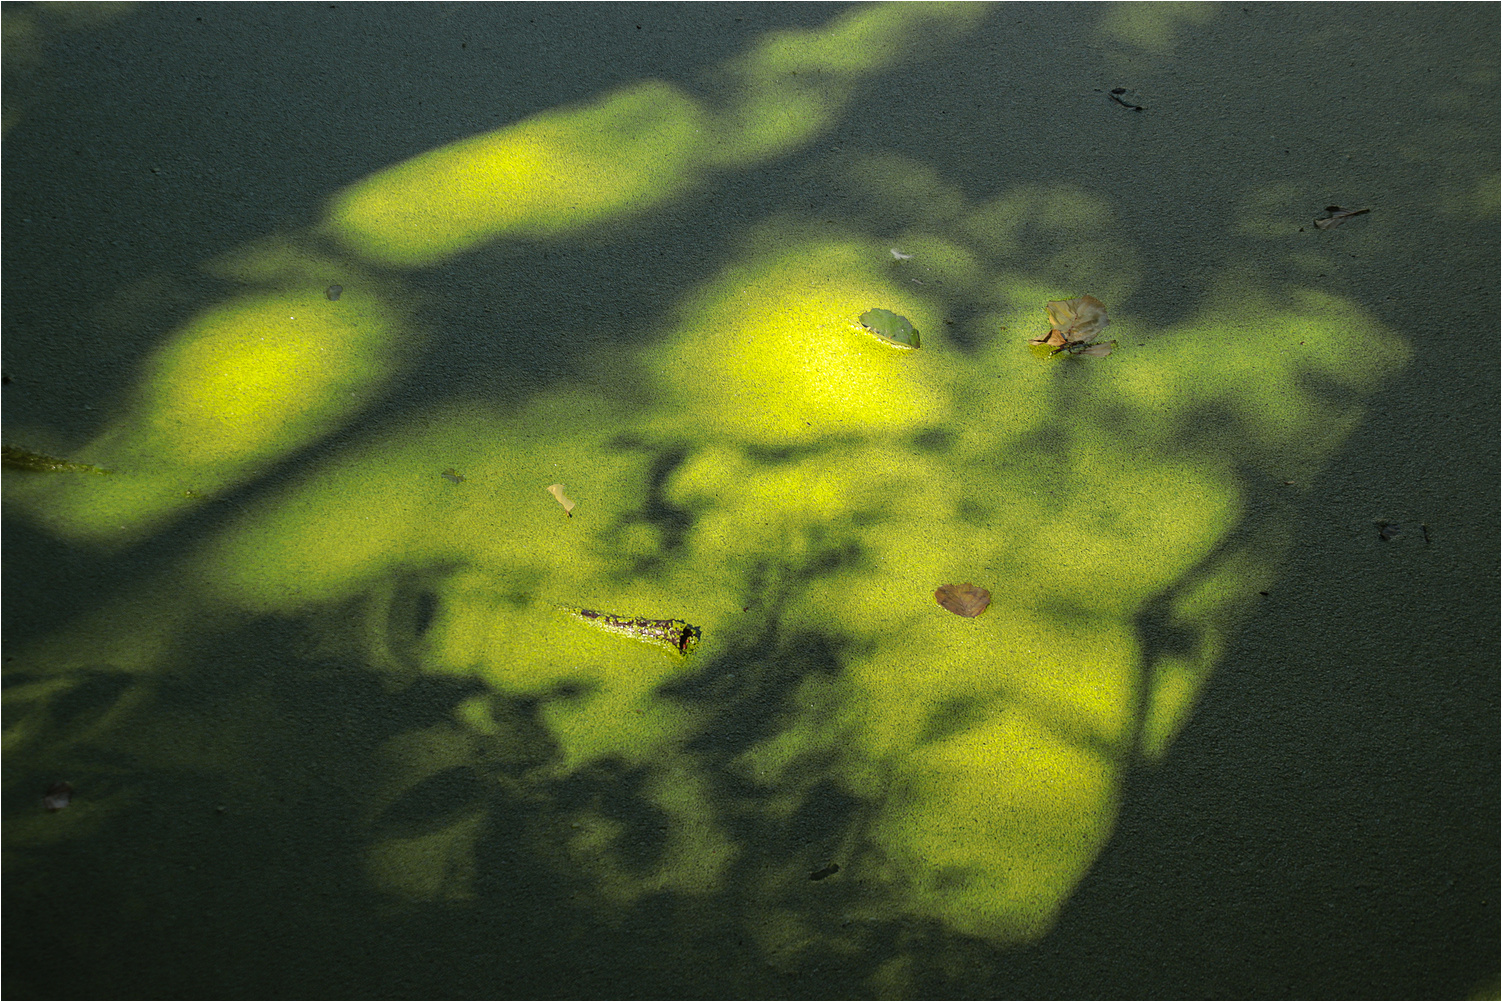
(58, 796)
(333, 292)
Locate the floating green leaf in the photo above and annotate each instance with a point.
(890, 327)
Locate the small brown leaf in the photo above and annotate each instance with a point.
(568, 506)
(963, 599)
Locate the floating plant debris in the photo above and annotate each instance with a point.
(891, 328)
(453, 476)
(1337, 215)
(666, 634)
(1075, 326)
(898, 255)
(1098, 349)
(1389, 531)
(58, 796)
(24, 459)
(963, 599)
(333, 292)
(1115, 95)
(568, 506)
(825, 871)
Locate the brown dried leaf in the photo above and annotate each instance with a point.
(557, 491)
(1080, 319)
(963, 599)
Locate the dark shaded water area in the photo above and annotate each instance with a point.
(287, 784)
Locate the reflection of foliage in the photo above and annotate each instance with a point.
(793, 488)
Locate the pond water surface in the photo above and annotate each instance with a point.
(519, 572)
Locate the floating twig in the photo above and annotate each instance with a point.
(1337, 216)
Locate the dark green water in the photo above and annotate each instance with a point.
(1228, 728)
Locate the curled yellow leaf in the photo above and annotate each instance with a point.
(557, 491)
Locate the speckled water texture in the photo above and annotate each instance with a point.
(339, 293)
